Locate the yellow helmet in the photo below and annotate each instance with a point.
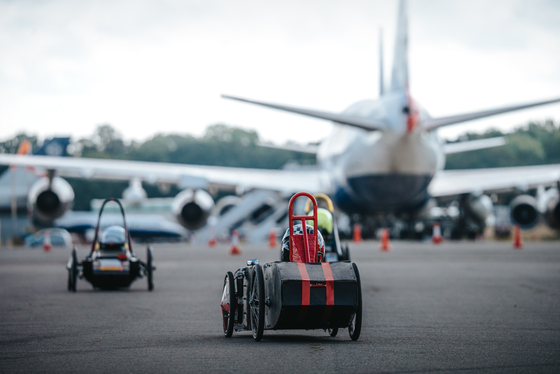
(324, 219)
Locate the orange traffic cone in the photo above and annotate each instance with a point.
(517, 243)
(357, 233)
(385, 239)
(436, 234)
(47, 245)
(272, 238)
(212, 241)
(234, 243)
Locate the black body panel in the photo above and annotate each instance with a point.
(111, 279)
(284, 294)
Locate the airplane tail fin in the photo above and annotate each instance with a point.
(24, 147)
(399, 78)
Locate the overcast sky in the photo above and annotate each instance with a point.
(160, 66)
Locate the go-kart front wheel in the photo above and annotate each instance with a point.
(72, 271)
(356, 324)
(70, 275)
(149, 268)
(257, 304)
(228, 305)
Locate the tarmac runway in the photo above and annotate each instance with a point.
(456, 307)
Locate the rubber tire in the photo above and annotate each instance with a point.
(74, 270)
(333, 332)
(70, 276)
(149, 268)
(345, 254)
(354, 331)
(229, 322)
(257, 304)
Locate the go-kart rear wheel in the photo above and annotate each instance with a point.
(333, 332)
(70, 285)
(228, 304)
(345, 253)
(356, 324)
(149, 268)
(257, 304)
(69, 268)
(73, 271)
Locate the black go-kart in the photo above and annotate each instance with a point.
(302, 293)
(111, 263)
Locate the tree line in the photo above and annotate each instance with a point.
(533, 144)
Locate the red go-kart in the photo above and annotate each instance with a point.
(302, 293)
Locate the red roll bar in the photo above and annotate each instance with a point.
(296, 248)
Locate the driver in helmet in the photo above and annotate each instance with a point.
(112, 238)
(325, 224)
(285, 254)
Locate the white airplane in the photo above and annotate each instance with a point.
(382, 157)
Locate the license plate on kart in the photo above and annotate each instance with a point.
(110, 265)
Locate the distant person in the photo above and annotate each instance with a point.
(113, 238)
(325, 223)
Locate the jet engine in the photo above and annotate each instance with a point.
(50, 198)
(524, 211)
(134, 194)
(225, 204)
(192, 208)
(480, 208)
(549, 204)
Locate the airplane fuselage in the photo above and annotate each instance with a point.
(387, 170)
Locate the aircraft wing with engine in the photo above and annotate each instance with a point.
(525, 209)
(191, 207)
(456, 182)
(185, 176)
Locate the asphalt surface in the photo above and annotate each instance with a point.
(452, 308)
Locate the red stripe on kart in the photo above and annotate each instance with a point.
(330, 282)
(305, 292)
(305, 283)
(327, 271)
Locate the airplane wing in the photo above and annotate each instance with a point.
(338, 118)
(456, 182)
(309, 149)
(185, 176)
(434, 123)
(473, 145)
